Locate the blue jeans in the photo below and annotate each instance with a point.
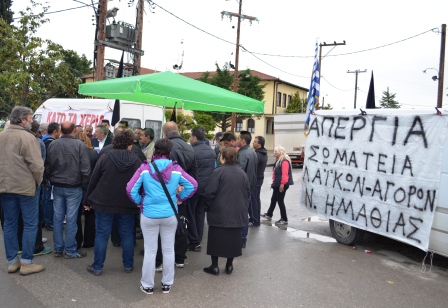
(29, 206)
(47, 205)
(66, 203)
(255, 204)
(103, 227)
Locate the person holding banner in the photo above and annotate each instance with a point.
(281, 179)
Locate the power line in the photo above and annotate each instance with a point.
(350, 53)
(60, 11)
(322, 77)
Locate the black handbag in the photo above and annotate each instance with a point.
(182, 222)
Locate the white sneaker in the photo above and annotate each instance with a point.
(179, 265)
(44, 240)
(160, 268)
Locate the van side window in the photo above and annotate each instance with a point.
(156, 126)
(37, 117)
(133, 123)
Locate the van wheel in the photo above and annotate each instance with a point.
(345, 234)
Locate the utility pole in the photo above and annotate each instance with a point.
(441, 67)
(237, 53)
(101, 36)
(356, 82)
(320, 53)
(138, 43)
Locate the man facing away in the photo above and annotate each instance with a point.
(255, 203)
(206, 161)
(248, 161)
(68, 168)
(22, 171)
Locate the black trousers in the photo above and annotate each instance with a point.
(278, 197)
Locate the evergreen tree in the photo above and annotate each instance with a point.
(5, 11)
(297, 105)
(388, 100)
(248, 85)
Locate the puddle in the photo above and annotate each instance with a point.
(315, 218)
(305, 234)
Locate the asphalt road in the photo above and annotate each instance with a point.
(300, 266)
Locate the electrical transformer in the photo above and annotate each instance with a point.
(121, 33)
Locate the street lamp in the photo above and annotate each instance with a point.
(433, 77)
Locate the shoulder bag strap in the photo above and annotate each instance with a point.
(165, 189)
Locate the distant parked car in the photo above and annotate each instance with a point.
(2, 124)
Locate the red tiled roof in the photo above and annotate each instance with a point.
(262, 76)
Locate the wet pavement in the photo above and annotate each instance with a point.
(297, 266)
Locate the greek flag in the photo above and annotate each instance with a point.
(313, 94)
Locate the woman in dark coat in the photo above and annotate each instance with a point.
(226, 194)
(87, 239)
(107, 195)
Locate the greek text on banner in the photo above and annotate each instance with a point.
(379, 173)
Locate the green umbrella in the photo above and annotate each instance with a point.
(166, 88)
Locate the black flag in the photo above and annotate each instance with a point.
(116, 113)
(371, 95)
(173, 115)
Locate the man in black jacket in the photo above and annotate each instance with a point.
(68, 168)
(183, 153)
(206, 160)
(255, 203)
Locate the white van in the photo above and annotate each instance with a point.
(385, 172)
(289, 133)
(93, 111)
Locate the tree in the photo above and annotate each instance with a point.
(297, 104)
(32, 70)
(5, 11)
(79, 65)
(327, 107)
(248, 85)
(388, 100)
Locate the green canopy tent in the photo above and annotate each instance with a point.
(166, 88)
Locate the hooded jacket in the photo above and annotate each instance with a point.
(153, 201)
(106, 192)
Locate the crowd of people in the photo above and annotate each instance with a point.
(128, 185)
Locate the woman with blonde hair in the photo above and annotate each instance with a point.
(281, 179)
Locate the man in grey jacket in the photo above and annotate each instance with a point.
(248, 161)
(68, 168)
(22, 170)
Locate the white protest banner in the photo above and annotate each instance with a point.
(376, 172)
(81, 117)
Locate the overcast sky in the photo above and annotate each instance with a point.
(285, 28)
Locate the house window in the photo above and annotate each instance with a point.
(251, 126)
(284, 100)
(279, 97)
(289, 99)
(270, 126)
(239, 125)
